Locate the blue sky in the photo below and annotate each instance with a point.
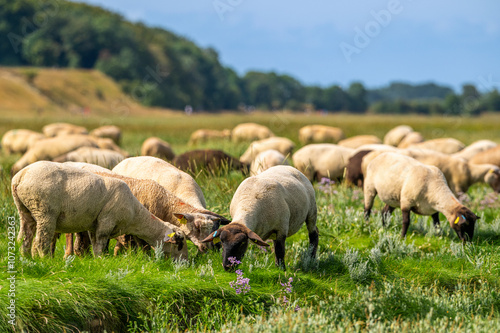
(328, 42)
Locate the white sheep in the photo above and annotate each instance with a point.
(271, 205)
(205, 135)
(401, 181)
(442, 145)
(107, 143)
(396, 135)
(322, 160)
(250, 132)
(156, 147)
(18, 141)
(109, 131)
(490, 156)
(56, 129)
(53, 197)
(320, 134)
(283, 145)
(174, 180)
(103, 157)
(265, 160)
(411, 138)
(475, 148)
(359, 140)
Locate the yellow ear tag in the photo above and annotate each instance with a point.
(216, 240)
(183, 220)
(491, 171)
(171, 235)
(456, 221)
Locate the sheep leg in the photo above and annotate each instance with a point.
(28, 229)
(69, 245)
(386, 212)
(406, 222)
(370, 193)
(45, 232)
(53, 243)
(279, 252)
(82, 243)
(435, 219)
(313, 231)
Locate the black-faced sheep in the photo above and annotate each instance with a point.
(271, 205)
(401, 181)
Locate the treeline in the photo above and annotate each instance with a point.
(159, 68)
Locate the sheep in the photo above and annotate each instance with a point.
(401, 181)
(106, 143)
(50, 148)
(94, 168)
(265, 160)
(411, 138)
(110, 131)
(353, 172)
(57, 129)
(250, 132)
(52, 197)
(211, 160)
(172, 179)
(320, 134)
(490, 156)
(204, 135)
(271, 205)
(156, 147)
(372, 147)
(396, 135)
(359, 140)
(102, 157)
(18, 141)
(442, 145)
(321, 160)
(283, 145)
(475, 148)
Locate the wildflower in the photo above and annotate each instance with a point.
(241, 285)
(234, 261)
(288, 286)
(297, 308)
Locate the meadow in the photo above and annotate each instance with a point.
(365, 278)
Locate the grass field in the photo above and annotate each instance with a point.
(365, 277)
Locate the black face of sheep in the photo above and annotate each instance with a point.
(495, 183)
(464, 224)
(234, 239)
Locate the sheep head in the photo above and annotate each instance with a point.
(199, 226)
(174, 245)
(464, 223)
(234, 238)
(493, 179)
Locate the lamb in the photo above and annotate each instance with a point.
(359, 140)
(271, 205)
(211, 160)
(442, 145)
(283, 145)
(101, 205)
(490, 156)
(18, 141)
(102, 157)
(250, 132)
(110, 132)
(50, 148)
(205, 135)
(266, 160)
(401, 181)
(396, 135)
(320, 134)
(321, 160)
(56, 129)
(475, 148)
(172, 179)
(156, 147)
(411, 138)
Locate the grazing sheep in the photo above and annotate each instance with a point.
(50, 148)
(88, 167)
(442, 145)
(250, 132)
(265, 160)
(18, 141)
(475, 148)
(353, 172)
(401, 181)
(411, 138)
(396, 135)
(172, 179)
(272, 205)
(322, 160)
(283, 145)
(320, 134)
(106, 143)
(359, 140)
(205, 135)
(156, 147)
(208, 159)
(52, 197)
(57, 129)
(110, 132)
(490, 156)
(102, 157)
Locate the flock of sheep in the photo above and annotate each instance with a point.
(75, 182)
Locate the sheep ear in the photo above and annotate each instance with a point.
(184, 218)
(256, 239)
(461, 219)
(214, 236)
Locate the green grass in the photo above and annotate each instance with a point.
(365, 278)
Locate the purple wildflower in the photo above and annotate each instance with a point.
(234, 261)
(241, 285)
(325, 185)
(297, 308)
(288, 286)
